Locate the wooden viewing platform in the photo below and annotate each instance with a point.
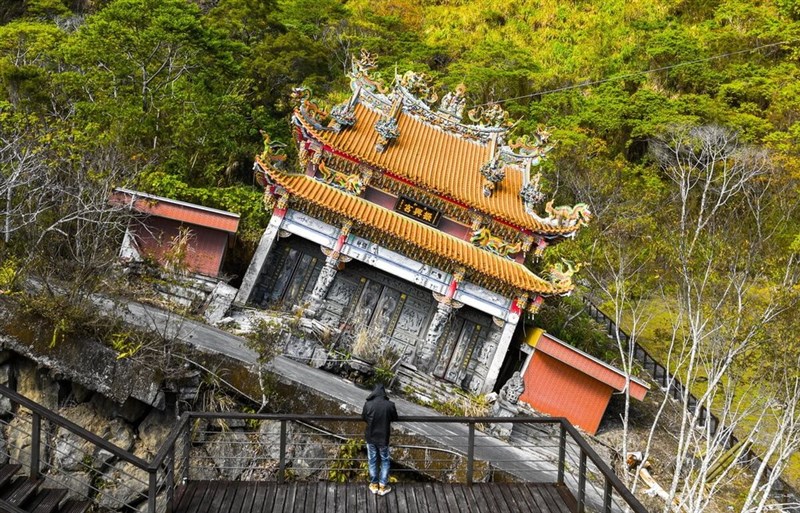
(326, 497)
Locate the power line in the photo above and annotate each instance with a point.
(636, 73)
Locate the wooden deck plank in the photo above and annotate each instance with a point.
(449, 497)
(400, 498)
(201, 489)
(239, 495)
(280, 498)
(264, 498)
(532, 497)
(567, 497)
(480, 497)
(556, 500)
(499, 505)
(321, 497)
(324, 497)
(550, 501)
(219, 496)
(465, 500)
(250, 492)
(515, 503)
(430, 497)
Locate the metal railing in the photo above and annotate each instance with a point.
(241, 446)
(666, 380)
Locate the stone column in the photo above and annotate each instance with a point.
(435, 329)
(328, 272)
(261, 254)
(321, 287)
(502, 346)
(446, 305)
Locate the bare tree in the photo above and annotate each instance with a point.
(729, 213)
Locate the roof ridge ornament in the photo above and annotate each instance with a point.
(453, 103)
(494, 170)
(387, 126)
(343, 114)
(420, 85)
(360, 72)
(561, 274)
(491, 114)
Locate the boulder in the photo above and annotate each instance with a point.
(77, 484)
(73, 452)
(19, 441)
(123, 485)
(36, 385)
(232, 453)
(309, 459)
(219, 302)
(269, 436)
(155, 429)
(5, 379)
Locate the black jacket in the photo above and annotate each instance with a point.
(378, 412)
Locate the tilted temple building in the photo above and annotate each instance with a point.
(409, 231)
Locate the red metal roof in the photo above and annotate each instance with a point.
(588, 365)
(178, 210)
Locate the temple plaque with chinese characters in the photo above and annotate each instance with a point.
(418, 211)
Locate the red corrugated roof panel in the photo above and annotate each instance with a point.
(178, 210)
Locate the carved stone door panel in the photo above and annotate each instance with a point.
(411, 326)
(339, 297)
(296, 277)
(446, 345)
(462, 353)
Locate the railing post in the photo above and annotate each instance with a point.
(582, 483)
(562, 453)
(187, 448)
(470, 452)
(151, 492)
(170, 470)
(36, 439)
(607, 491)
(282, 461)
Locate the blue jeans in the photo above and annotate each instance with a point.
(373, 453)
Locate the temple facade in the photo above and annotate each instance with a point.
(409, 232)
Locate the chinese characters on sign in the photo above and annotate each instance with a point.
(418, 211)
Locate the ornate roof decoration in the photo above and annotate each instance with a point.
(434, 161)
(531, 192)
(387, 126)
(494, 171)
(344, 115)
(352, 183)
(453, 103)
(361, 73)
(560, 274)
(309, 108)
(419, 85)
(489, 115)
(414, 239)
(565, 215)
(474, 166)
(483, 238)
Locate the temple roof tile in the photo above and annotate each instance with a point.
(365, 214)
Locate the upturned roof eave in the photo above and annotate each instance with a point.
(532, 226)
(481, 261)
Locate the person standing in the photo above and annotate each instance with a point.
(378, 413)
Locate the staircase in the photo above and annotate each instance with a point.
(26, 494)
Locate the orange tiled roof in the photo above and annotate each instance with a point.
(437, 160)
(461, 252)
